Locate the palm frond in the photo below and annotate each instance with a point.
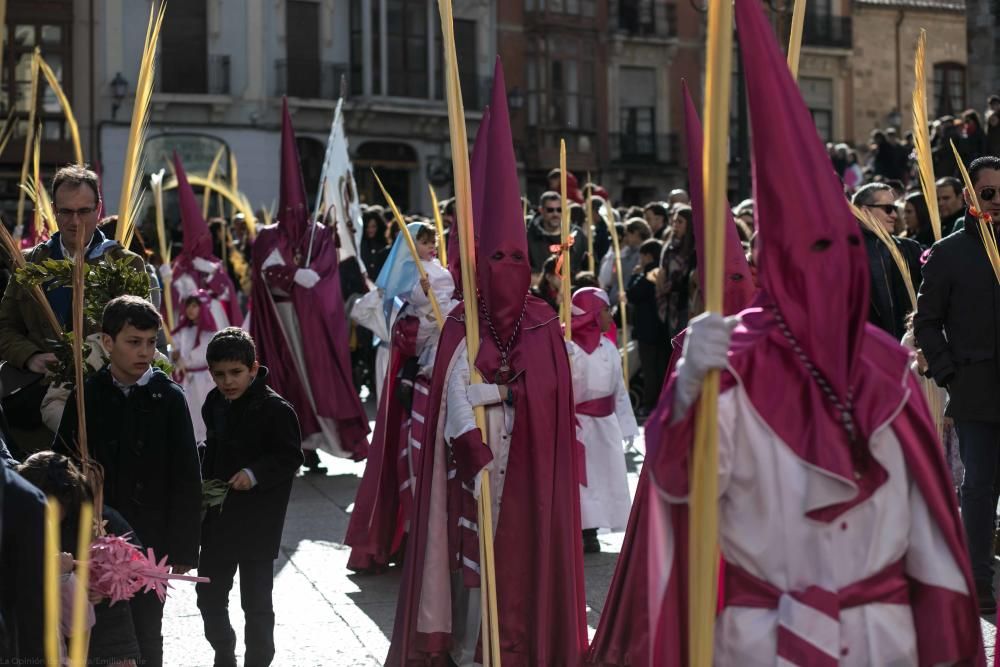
(922, 138)
(74, 129)
(128, 204)
(207, 196)
(32, 109)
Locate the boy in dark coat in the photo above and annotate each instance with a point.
(648, 330)
(139, 429)
(253, 443)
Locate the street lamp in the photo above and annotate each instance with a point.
(119, 88)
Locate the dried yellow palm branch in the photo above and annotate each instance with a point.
(18, 262)
(74, 129)
(982, 218)
(873, 225)
(131, 196)
(206, 198)
(29, 139)
(7, 130)
(922, 138)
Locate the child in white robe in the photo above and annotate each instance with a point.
(604, 416)
(191, 339)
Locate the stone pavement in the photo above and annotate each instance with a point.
(326, 615)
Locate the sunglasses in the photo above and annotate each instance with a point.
(988, 194)
(553, 210)
(888, 209)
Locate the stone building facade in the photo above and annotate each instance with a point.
(885, 40)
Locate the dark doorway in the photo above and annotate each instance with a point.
(394, 163)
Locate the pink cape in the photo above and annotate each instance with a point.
(539, 564)
(376, 526)
(622, 636)
(758, 355)
(219, 286)
(323, 334)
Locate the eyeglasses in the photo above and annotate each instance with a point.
(549, 209)
(988, 194)
(67, 214)
(888, 209)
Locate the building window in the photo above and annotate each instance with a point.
(300, 75)
(637, 112)
(54, 40)
(584, 8)
(818, 95)
(407, 35)
(646, 17)
(465, 53)
(560, 84)
(949, 89)
(184, 51)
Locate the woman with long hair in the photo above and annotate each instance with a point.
(917, 219)
(374, 244)
(676, 264)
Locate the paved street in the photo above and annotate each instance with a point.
(326, 615)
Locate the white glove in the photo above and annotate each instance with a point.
(166, 272)
(204, 265)
(483, 394)
(706, 346)
(306, 278)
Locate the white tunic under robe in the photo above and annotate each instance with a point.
(197, 378)
(443, 287)
(605, 501)
(765, 492)
(459, 419)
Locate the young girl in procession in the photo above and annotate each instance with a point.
(191, 338)
(377, 526)
(603, 414)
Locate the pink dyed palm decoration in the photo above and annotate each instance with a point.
(119, 570)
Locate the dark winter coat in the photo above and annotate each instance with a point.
(957, 325)
(540, 243)
(22, 516)
(647, 327)
(146, 445)
(889, 301)
(259, 431)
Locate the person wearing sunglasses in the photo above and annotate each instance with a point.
(889, 297)
(957, 327)
(545, 231)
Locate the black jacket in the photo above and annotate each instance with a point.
(957, 325)
(22, 514)
(647, 327)
(889, 301)
(146, 445)
(540, 244)
(259, 431)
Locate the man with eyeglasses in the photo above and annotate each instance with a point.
(24, 330)
(957, 327)
(545, 231)
(890, 300)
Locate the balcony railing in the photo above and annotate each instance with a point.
(309, 78)
(644, 18)
(644, 147)
(218, 75)
(830, 31)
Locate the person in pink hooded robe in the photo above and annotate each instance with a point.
(838, 523)
(532, 459)
(603, 414)
(622, 636)
(195, 268)
(297, 319)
